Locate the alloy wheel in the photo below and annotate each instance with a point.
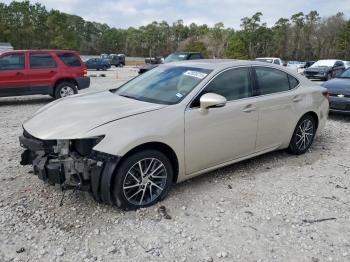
(304, 134)
(66, 91)
(145, 181)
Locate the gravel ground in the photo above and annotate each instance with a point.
(269, 208)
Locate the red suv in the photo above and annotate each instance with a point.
(58, 73)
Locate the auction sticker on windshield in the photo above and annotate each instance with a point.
(196, 74)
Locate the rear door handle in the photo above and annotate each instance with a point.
(19, 73)
(53, 72)
(249, 108)
(297, 99)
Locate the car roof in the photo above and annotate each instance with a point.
(42, 50)
(217, 63)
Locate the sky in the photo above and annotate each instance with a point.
(125, 13)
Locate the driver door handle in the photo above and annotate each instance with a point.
(249, 108)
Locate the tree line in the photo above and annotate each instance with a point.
(299, 37)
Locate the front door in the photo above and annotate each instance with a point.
(13, 78)
(219, 135)
(43, 71)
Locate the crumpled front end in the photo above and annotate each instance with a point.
(73, 164)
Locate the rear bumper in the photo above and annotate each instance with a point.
(83, 82)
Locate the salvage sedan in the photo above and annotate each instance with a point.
(128, 146)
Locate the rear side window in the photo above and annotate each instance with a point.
(12, 62)
(271, 80)
(41, 61)
(232, 84)
(277, 62)
(69, 59)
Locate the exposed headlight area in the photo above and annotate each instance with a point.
(70, 163)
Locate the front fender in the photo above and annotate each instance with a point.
(165, 126)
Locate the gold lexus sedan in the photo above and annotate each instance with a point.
(127, 146)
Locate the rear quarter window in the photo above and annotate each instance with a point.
(69, 59)
(293, 82)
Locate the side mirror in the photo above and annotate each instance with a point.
(210, 100)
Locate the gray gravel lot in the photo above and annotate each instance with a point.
(264, 209)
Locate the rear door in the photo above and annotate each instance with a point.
(13, 78)
(276, 103)
(42, 72)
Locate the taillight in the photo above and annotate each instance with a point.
(85, 71)
(325, 93)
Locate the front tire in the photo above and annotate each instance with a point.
(65, 89)
(142, 179)
(303, 135)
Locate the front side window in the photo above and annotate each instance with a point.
(12, 62)
(271, 80)
(277, 62)
(232, 84)
(69, 59)
(41, 61)
(163, 85)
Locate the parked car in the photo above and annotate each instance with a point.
(98, 64)
(271, 60)
(339, 93)
(127, 146)
(309, 63)
(324, 69)
(346, 64)
(58, 73)
(117, 60)
(177, 56)
(297, 66)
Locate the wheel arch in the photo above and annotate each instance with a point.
(162, 147)
(314, 116)
(61, 80)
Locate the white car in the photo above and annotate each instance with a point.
(127, 146)
(346, 64)
(271, 60)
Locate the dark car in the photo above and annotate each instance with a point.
(58, 73)
(339, 93)
(309, 63)
(324, 69)
(117, 60)
(177, 56)
(98, 64)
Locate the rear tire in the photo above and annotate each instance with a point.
(303, 135)
(65, 89)
(104, 68)
(142, 179)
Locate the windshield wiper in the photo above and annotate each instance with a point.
(128, 96)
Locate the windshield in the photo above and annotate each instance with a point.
(267, 60)
(327, 63)
(175, 57)
(163, 85)
(345, 74)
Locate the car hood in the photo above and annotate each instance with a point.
(321, 69)
(338, 86)
(73, 117)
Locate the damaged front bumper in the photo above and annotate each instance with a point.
(71, 164)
